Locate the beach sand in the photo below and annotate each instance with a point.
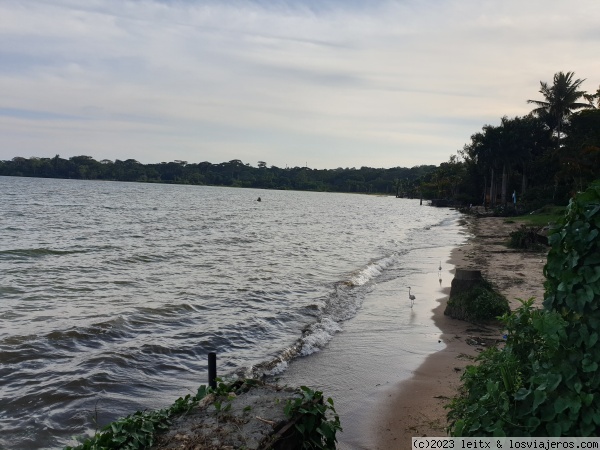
(377, 349)
(415, 407)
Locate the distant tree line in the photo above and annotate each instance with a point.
(395, 181)
(544, 157)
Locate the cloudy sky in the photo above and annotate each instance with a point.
(323, 83)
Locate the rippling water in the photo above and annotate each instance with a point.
(112, 294)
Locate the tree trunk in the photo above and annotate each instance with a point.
(492, 190)
(484, 189)
(503, 192)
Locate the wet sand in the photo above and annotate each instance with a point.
(415, 407)
(383, 345)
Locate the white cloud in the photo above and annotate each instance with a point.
(325, 83)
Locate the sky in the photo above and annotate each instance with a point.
(317, 83)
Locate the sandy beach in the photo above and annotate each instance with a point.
(415, 407)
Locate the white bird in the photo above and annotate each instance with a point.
(440, 268)
(411, 297)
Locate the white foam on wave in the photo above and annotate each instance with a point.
(341, 305)
(318, 335)
(372, 270)
(279, 368)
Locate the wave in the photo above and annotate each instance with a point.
(341, 305)
(121, 328)
(37, 252)
(314, 338)
(10, 290)
(318, 335)
(372, 270)
(141, 258)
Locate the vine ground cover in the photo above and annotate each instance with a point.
(545, 381)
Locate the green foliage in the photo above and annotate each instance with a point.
(538, 197)
(316, 428)
(138, 430)
(581, 153)
(545, 381)
(573, 269)
(499, 394)
(316, 420)
(478, 304)
(525, 238)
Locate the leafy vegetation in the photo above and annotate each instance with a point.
(138, 430)
(315, 419)
(316, 429)
(526, 238)
(560, 100)
(545, 382)
(481, 303)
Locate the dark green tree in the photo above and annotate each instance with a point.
(580, 157)
(594, 99)
(560, 100)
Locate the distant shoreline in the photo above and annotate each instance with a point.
(398, 181)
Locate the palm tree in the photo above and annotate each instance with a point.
(594, 98)
(561, 99)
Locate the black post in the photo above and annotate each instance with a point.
(212, 370)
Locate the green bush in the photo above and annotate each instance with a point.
(539, 196)
(481, 303)
(525, 238)
(494, 399)
(315, 429)
(545, 382)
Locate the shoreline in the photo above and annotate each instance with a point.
(415, 407)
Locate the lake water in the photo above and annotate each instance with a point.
(112, 294)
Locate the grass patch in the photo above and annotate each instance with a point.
(549, 214)
(527, 238)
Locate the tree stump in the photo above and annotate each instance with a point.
(464, 280)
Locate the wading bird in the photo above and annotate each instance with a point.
(411, 297)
